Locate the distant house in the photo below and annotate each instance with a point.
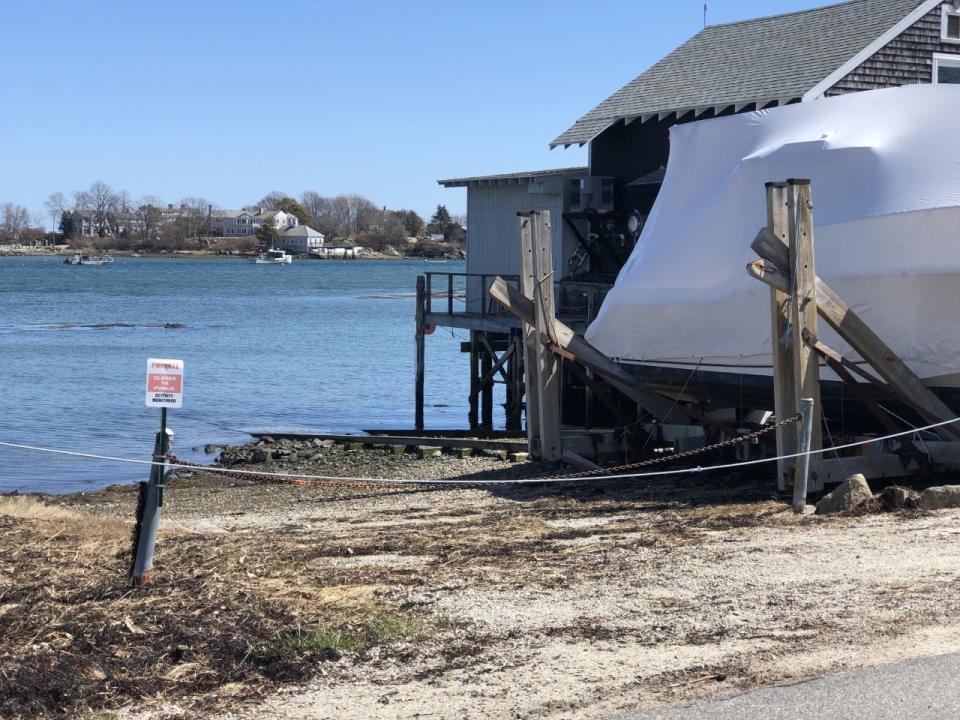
(242, 223)
(233, 223)
(302, 239)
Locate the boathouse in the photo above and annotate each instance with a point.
(598, 212)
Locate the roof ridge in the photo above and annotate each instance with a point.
(819, 8)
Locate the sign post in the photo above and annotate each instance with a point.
(164, 390)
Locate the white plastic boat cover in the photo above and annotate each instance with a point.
(885, 168)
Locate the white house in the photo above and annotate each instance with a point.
(302, 239)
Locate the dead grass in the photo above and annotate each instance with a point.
(221, 609)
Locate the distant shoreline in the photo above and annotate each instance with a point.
(64, 251)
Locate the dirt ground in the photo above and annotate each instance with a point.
(569, 601)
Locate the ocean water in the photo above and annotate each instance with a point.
(314, 346)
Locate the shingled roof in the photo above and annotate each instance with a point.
(775, 59)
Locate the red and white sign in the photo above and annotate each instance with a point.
(164, 383)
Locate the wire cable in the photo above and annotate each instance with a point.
(485, 482)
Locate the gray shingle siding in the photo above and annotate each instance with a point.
(764, 60)
(907, 60)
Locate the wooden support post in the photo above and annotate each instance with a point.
(474, 382)
(515, 396)
(803, 317)
(421, 349)
(486, 385)
(784, 399)
(548, 364)
(530, 338)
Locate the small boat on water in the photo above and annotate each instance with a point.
(81, 259)
(435, 260)
(273, 257)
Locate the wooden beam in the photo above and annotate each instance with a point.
(803, 316)
(582, 352)
(903, 382)
(785, 401)
(548, 364)
(530, 339)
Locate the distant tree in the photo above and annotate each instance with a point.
(102, 203)
(412, 222)
(193, 221)
(56, 206)
(440, 221)
(268, 235)
(271, 201)
(69, 225)
(14, 221)
(292, 207)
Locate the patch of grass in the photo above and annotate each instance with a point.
(325, 641)
(379, 630)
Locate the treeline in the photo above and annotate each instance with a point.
(356, 218)
(113, 219)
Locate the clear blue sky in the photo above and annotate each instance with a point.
(230, 100)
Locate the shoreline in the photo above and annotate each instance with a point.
(205, 254)
(348, 600)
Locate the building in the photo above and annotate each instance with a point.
(597, 212)
(302, 239)
(246, 222)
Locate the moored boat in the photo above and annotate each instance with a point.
(81, 259)
(273, 257)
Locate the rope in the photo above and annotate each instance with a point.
(523, 481)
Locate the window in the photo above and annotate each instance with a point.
(950, 28)
(946, 69)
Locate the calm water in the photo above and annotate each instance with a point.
(318, 345)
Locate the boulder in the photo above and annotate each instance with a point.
(938, 498)
(211, 449)
(898, 498)
(851, 493)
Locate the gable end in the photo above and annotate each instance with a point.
(906, 60)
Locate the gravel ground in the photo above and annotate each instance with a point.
(583, 600)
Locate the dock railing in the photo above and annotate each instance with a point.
(465, 295)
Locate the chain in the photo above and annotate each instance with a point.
(293, 480)
(689, 453)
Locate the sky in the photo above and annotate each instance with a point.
(232, 100)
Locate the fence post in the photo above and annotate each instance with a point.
(802, 477)
(148, 516)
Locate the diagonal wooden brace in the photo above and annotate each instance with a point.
(903, 382)
(575, 348)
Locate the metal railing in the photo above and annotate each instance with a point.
(454, 291)
(461, 293)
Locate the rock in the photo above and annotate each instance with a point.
(898, 498)
(266, 439)
(518, 457)
(463, 452)
(424, 451)
(355, 446)
(211, 449)
(259, 455)
(317, 442)
(851, 493)
(937, 498)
